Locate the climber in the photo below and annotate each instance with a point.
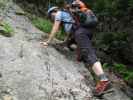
(82, 36)
(82, 6)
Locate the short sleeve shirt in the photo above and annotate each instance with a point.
(66, 18)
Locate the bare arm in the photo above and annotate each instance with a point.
(55, 29)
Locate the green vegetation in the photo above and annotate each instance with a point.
(111, 7)
(121, 70)
(6, 29)
(46, 26)
(60, 35)
(108, 7)
(114, 44)
(43, 24)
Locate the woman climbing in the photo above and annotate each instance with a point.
(82, 36)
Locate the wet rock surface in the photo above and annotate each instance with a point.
(30, 71)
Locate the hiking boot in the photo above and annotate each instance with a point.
(101, 87)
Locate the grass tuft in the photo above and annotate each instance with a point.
(6, 29)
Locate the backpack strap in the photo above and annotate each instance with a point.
(74, 16)
(67, 11)
(63, 10)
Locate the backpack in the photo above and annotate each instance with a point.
(87, 19)
(85, 16)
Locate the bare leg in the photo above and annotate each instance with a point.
(98, 70)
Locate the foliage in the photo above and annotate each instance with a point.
(115, 41)
(46, 26)
(43, 24)
(111, 7)
(130, 2)
(122, 70)
(104, 7)
(7, 30)
(114, 44)
(61, 35)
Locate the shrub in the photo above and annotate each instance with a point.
(116, 45)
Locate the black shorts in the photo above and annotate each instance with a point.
(83, 37)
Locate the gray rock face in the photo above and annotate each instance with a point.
(36, 73)
(33, 72)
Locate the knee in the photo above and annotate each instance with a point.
(88, 57)
(78, 34)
